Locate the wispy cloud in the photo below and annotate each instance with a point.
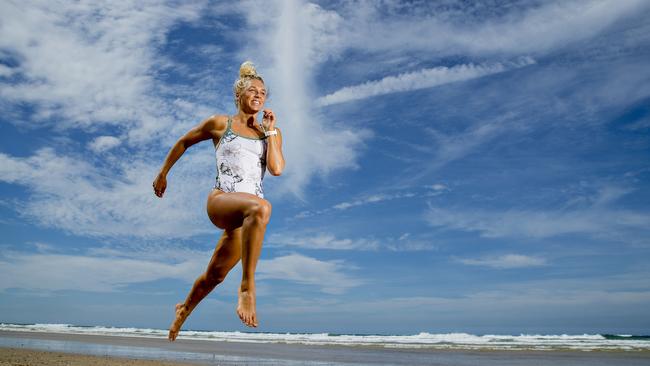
(331, 276)
(73, 194)
(505, 261)
(593, 208)
(532, 223)
(501, 308)
(320, 241)
(292, 43)
(103, 143)
(109, 269)
(456, 146)
(372, 199)
(525, 104)
(516, 293)
(94, 67)
(421, 79)
(53, 272)
(367, 199)
(91, 65)
(536, 29)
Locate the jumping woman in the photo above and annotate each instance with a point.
(244, 150)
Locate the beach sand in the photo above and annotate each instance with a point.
(24, 357)
(37, 348)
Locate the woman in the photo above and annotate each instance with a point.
(244, 150)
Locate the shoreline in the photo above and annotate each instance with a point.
(206, 352)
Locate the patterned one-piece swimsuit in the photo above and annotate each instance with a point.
(241, 163)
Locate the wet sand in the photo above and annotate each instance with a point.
(35, 348)
(23, 357)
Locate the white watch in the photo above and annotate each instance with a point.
(270, 133)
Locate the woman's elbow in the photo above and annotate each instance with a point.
(275, 170)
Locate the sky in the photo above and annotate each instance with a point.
(452, 166)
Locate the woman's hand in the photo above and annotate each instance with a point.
(160, 184)
(268, 120)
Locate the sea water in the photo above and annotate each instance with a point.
(423, 341)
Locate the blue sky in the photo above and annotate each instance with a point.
(451, 167)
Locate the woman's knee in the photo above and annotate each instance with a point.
(260, 210)
(215, 276)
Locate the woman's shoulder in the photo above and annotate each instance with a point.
(216, 122)
(219, 118)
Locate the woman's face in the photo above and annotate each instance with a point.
(253, 97)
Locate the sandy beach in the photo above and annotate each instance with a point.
(37, 348)
(22, 357)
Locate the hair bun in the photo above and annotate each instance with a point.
(247, 69)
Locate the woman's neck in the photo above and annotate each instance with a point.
(247, 118)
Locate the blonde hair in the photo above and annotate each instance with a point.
(247, 73)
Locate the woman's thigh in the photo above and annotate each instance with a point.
(228, 210)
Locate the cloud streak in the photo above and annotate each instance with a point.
(330, 276)
(372, 199)
(534, 29)
(425, 78)
(506, 261)
(320, 241)
(538, 224)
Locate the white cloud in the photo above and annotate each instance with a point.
(366, 199)
(320, 241)
(372, 199)
(438, 187)
(453, 147)
(506, 261)
(91, 64)
(425, 78)
(495, 307)
(6, 71)
(538, 224)
(330, 276)
(448, 30)
(94, 65)
(77, 196)
(292, 40)
(103, 143)
(52, 272)
(110, 269)
(326, 241)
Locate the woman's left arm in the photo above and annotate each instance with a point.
(274, 157)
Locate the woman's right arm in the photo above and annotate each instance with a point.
(212, 127)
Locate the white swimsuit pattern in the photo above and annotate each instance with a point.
(241, 163)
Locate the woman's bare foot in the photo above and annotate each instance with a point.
(181, 315)
(246, 307)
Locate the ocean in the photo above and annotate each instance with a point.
(421, 341)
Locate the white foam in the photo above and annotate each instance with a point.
(584, 342)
